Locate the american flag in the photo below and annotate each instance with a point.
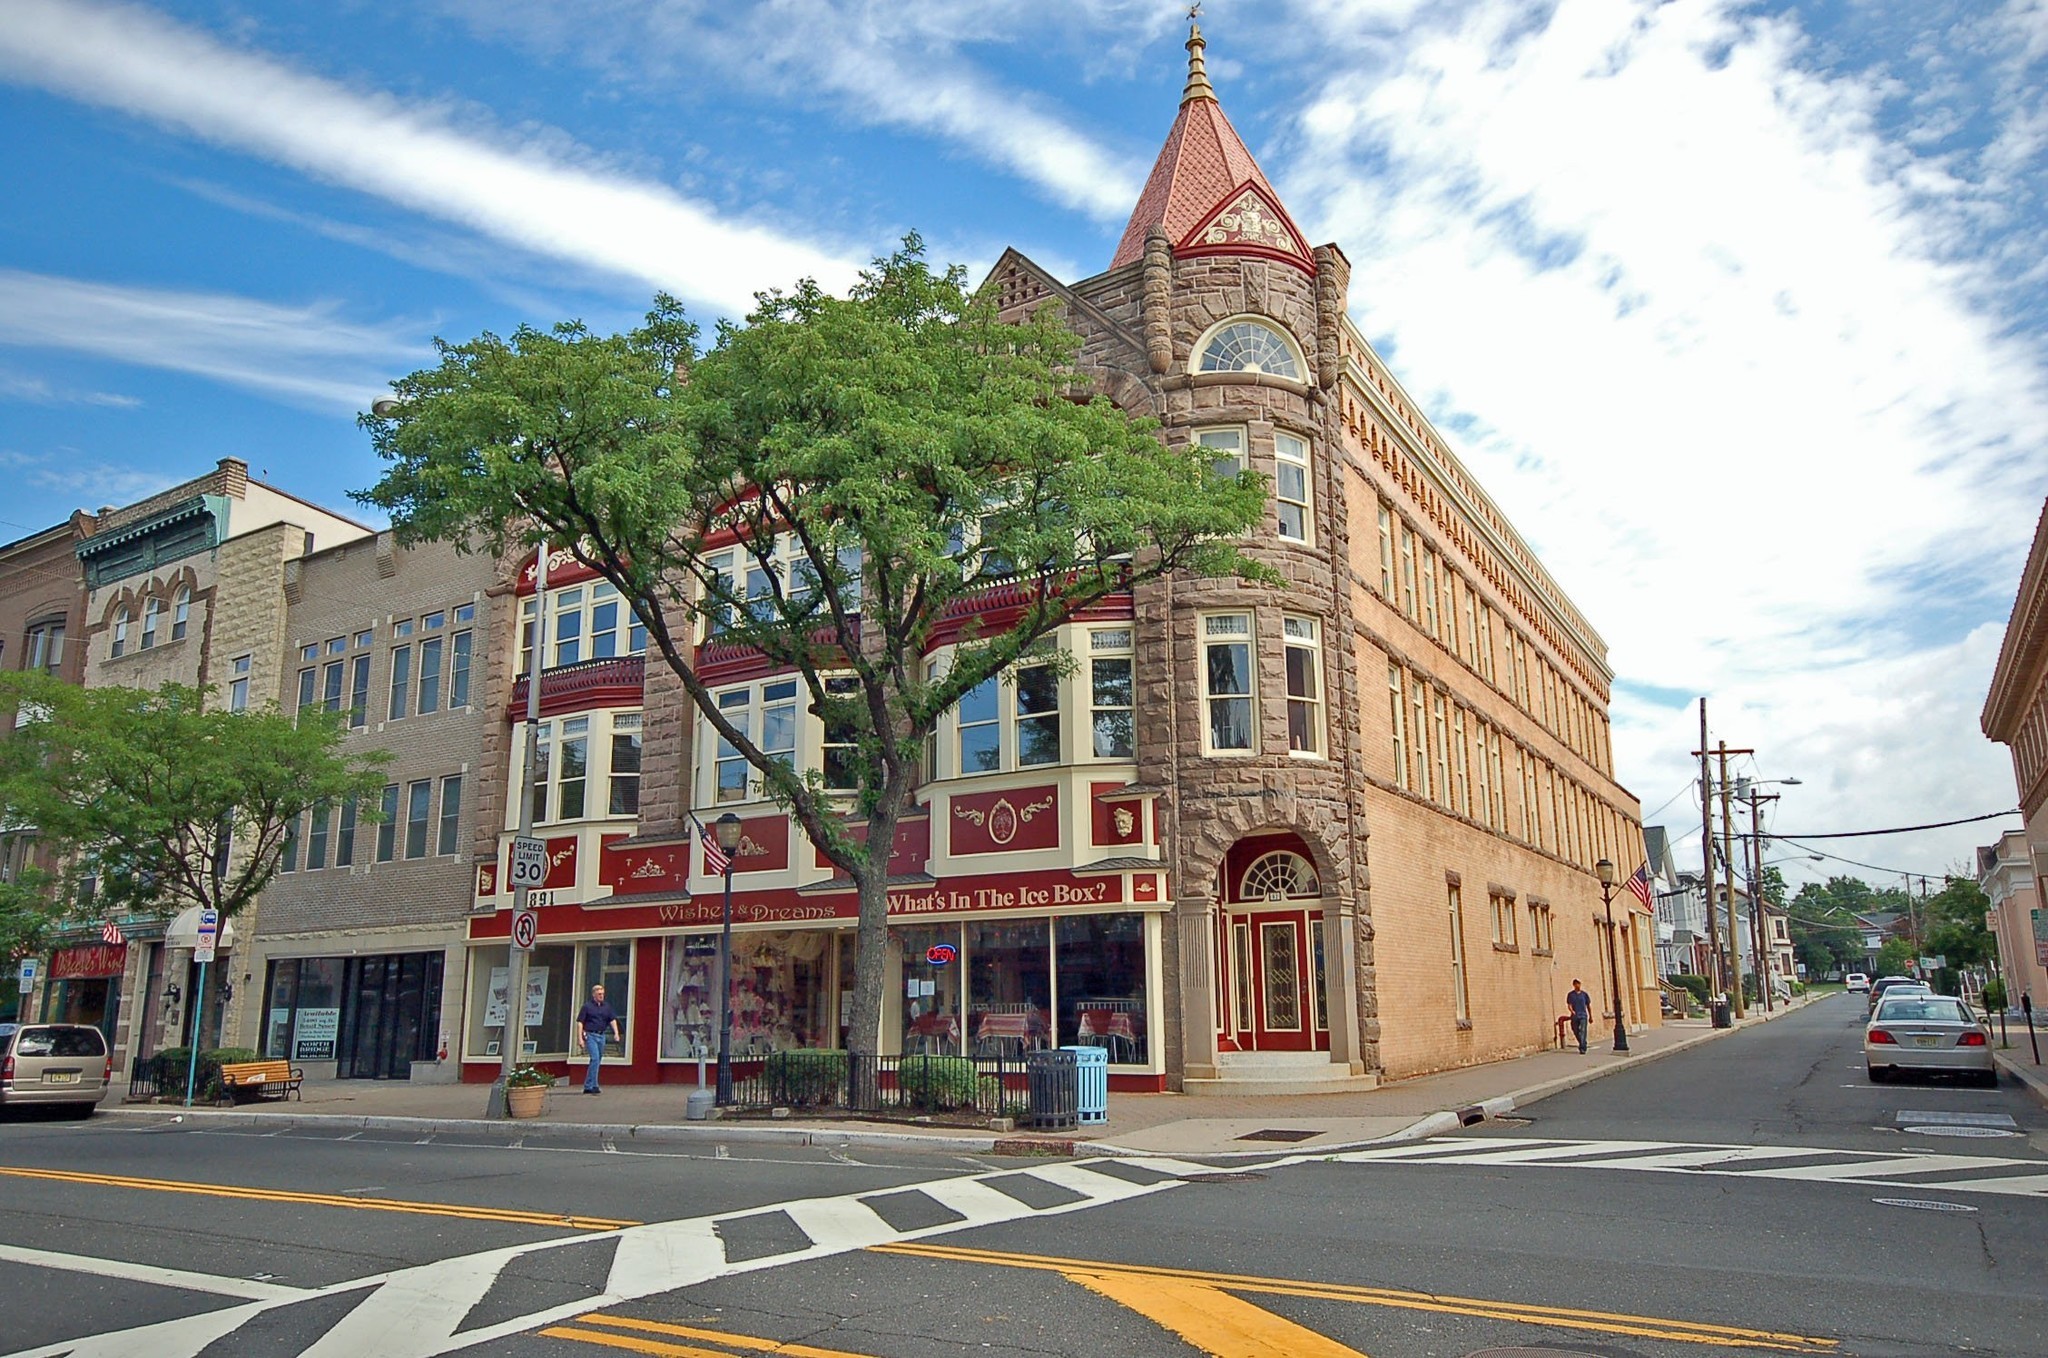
(715, 860)
(1639, 884)
(110, 932)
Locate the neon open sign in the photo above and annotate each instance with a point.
(941, 954)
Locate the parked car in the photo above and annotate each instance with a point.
(54, 1064)
(1857, 982)
(1914, 1030)
(1884, 985)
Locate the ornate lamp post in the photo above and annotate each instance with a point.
(727, 827)
(1606, 871)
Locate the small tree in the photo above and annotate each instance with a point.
(145, 790)
(880, 463)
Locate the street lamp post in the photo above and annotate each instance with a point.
(1606, 871)
(727, 827)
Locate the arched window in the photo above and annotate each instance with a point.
(1249, 347)
(120, 629)
(181, 612)
(1280, 875)
(152, 608)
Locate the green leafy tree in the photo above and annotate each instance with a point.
(142, 790)
(1955, 925)
(1895, 958)
(903, 447)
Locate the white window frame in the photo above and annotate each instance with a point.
(577, 606)
(1291, 455)
(122, 617)
(1461, 998)
(1227, 448)
(238, 687)
(1303, 635)
(1397, 702)
(152, 609)
(1386, 524)
(1198, 356)
(181, 612)
(1113, 645)
(749, 707)
(595, 728)
(1217, 632)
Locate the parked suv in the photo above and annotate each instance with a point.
(54, 1064)
(1856, 983)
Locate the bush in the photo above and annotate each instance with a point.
(1994, 995)
(806, 1078)
(1696, 986)
(937, 1082)
(172, 1064)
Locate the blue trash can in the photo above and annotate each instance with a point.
(1091, 1065)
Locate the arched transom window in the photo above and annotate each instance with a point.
(1248, 347)
(1280, 874)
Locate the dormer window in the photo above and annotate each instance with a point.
(1249, 347)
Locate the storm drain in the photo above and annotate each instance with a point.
(1936, 1117)
(1277, 1134)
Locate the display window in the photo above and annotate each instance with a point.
(609, 965)
(551, 1001)
(783, 987)
(1073, 980)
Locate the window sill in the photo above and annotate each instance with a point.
(1506, 947)
(1464, 1025)
(1542, 952)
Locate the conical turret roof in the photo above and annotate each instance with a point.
(1206, 192)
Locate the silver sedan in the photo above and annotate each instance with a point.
(1916, 1031)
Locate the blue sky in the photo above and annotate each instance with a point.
(1739, 310)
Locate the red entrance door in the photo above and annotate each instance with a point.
(1273, 977)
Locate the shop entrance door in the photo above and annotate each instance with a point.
(1274, 974)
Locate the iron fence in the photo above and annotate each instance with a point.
(883, 1086)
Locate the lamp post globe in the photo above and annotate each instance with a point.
(727, 828)
(1605, 870)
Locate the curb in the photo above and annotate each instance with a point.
(653, 1134)
(2033, 1083)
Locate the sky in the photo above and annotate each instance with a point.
(1738, 310)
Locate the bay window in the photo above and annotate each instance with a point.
(1225, 448)
(585, 622)
(585, 767)
(1038, 715)
(1111, 692)
(838, 755)
(766, 714)
(623, 798)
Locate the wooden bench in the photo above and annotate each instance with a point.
(265, 1079)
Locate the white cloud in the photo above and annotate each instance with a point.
(547, 198)
(308, 355)
(40, 391)
(887, 62)
(1719, 364)
(85, 480)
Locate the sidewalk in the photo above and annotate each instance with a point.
(1139, 1124)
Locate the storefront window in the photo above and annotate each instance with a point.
(1010, 992)
(550, 1002)
(932, 1021)
(302, 1018)
(781, 996)
(611, 966)
(1101, 964)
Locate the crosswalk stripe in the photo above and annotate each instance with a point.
(1887, 1168)
(417, 1312)
(179, 1278)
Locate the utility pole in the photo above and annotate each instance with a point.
(1707, 853)
(1728, 881)
(1757, 913)
(513, 1044)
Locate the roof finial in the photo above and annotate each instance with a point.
(1198, 86)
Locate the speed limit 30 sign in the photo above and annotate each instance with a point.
(525, 929)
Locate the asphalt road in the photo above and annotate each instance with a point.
(1724, 1200)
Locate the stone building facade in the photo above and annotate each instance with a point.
(1259, 837)
(2016, 715)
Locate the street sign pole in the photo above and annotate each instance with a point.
(209, 924)
(513, 1044)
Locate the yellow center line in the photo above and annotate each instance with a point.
(745, 1342)
(433, 1209)
(1611, 1322)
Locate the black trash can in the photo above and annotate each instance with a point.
(1054, 1078)
(1723, 1017)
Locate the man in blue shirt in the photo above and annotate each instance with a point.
(598, 1020)
(1581, 1005)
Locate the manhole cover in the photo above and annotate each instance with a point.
(1222, 1177)
(1960, 1131)
(1277, 1134)
(1923, 1204)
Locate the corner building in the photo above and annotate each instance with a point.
(1260, 839)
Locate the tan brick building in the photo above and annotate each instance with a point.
(1257, 838)
(2014, 872)
(187, 586)
(355, 935)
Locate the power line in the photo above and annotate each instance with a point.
(1894, 872)
(1898, 829)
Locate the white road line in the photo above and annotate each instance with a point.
(837, 1224)
(2023, 1185)
(1704, 1157)
(245, 1288)
(1537, 1154)
(1885, 1168)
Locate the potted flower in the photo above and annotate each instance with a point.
(525, 1090)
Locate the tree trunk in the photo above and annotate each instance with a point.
(870, 966)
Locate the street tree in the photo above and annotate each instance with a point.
(160, 801)
(825, 486)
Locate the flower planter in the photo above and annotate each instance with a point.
(525, 1101)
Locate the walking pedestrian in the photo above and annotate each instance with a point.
(1581, 1005)
(598, 1020)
